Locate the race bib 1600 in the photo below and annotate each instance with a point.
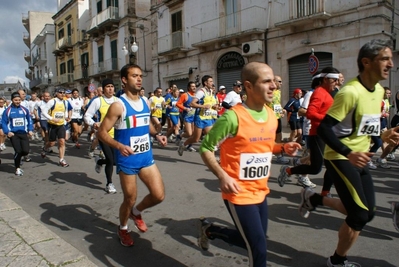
(255, 166)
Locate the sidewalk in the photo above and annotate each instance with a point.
(26, 242)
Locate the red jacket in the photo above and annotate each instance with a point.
(319, 103)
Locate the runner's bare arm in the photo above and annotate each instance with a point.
(227, 184)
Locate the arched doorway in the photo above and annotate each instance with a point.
(229, 69)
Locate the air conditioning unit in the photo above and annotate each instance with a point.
(252, 48)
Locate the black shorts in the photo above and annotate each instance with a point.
(44, 125)
(78, 121)
(279, 127)
(355, 188)
(395, 121)
(56, 131)
(295, 125)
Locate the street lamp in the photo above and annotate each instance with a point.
(131, 49)
(131, 40)
(48, 77)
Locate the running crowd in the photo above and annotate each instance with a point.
(336, 124)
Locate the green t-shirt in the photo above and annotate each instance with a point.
(227, 126)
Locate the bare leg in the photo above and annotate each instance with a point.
(151, 177)
(346, 238)
(129, 189)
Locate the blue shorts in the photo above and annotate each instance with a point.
(131, 171)
(175, 119)
(189, 119)
(202, 124)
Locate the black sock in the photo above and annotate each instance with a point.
(337, 259)
(316, 200)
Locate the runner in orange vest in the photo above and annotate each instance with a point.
(246, 134)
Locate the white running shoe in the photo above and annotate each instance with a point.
(110, 188)
(371, 165)
(172, 138)
(391, 156)
(305, 182)
(383, 163)
(98, 167)
(343, 264)
(191, 149)
(305, 207)
(283, 177)
(180, 150)
(19, 172)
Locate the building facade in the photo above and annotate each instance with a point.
(33, 22)
(119, 34)
(191, 39)
(69, 48)
(43, 60)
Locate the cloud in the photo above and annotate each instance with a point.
(12, 47)
(13, 79)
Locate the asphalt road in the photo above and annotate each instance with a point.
(73, 204)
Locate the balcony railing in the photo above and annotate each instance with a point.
(304, 11)
(26, 39)
(38, 59)
(27, 56)
(28, 74)
(246, 20)
(305, 8)
(111, 13)
(62, 43)
(175, 41)
(106, 66)
(35, 82)
(81, 72)
(25, 21)
(66, 78)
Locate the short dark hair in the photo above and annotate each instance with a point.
(189, 84)
(205, 78)
(125, 69)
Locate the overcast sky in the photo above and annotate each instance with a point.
(12, 46)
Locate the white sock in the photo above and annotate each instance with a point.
(123, 227)
(136, 211)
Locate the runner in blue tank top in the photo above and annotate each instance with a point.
(130, 117)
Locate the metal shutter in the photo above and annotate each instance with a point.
(228, 78)
(299, 76)
(181, 84)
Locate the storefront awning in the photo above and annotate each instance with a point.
(176, 76)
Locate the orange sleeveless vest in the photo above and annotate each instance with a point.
(247, 156)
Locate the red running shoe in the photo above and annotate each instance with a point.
(125, 238)
(77, 145)
(138, 221)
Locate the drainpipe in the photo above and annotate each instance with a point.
(269, 6)
(159, 74)
(265, 50)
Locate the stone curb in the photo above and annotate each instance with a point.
(26, 242)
